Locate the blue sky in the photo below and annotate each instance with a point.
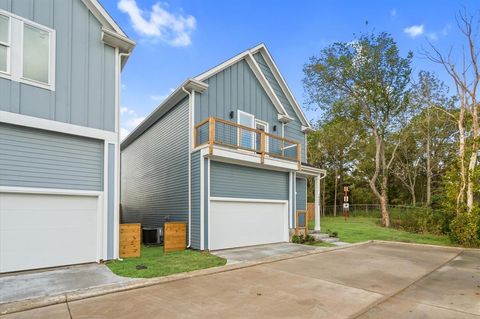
(177, 39)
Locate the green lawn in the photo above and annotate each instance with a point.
(358, 229)
(159, 264)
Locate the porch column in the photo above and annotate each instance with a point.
(317, 203)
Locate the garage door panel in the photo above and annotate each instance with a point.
(247, 223)
(38, 231)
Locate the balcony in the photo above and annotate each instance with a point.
(215, 131)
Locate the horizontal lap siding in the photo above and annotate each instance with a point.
(195, 200)
(154, 172)
(230, 180)
(292, 129)
(301, 198)
(44, 159)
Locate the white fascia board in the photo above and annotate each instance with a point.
(102, 15)
(116, 40)
(283, 84)
(312, 171)
(55, 126)
(163, 108)
(307, 129)
(284, 118)
(255, 69)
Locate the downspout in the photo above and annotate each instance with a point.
(189, 167)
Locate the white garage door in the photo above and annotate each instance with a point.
(246, 223)
(38, 231)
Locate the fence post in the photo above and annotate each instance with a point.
(262, 146)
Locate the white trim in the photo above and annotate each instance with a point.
(102, 15)
(317, 203)
(208, 205)
(306, 191)
(8, 45)
(290, 201)
(294, 222)
(16, 43)
(256, 71)
(49, 125)
(202, 202)
(250, 200)
(266, 130)
(105, 202)
(252, 125)
(229, 155)
(283, 84)
(53, 191)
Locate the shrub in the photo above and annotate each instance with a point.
(465, 228)
(300, 239)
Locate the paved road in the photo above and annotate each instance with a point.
(370, 281)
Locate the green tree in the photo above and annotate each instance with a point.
(371, 76)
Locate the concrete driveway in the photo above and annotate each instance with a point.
(376, 280)
(34, 284)
(236, 255)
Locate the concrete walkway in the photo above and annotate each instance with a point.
(377, 280)
(236, 255)
(28, 285)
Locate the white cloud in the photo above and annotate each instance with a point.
(393, 13)
(129, 121)
(414, 30)
(160, 24)
(162, 97)
(446, 29)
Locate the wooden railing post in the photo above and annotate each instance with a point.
(211, 134)
(299, 155)
(262, 146)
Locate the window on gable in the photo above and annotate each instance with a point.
(27, 51)
(4, 43)
(36, 54)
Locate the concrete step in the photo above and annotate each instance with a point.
(318, 236)
(340, 243)
(330, 240)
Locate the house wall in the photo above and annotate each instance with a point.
(43, 159)
(236, 88)
(230, 180)
(196, 200)
(301, 194)
(85, 68)
(154, 171)
(292, 129)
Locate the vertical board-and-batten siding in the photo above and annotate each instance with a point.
(196, 200)
(230, 180)
(301, 196)
(111, 201)
(293, 129)
(236, 88)
(154, 171)
(85, 68)
(43, 159)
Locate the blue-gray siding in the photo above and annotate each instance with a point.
(154, 171)
(292, 129)
(111, 201)
(230, 180)
(38, 158)
(236, 88)
(85, 68)
(205, 203)
(196, 202)
(301, 198)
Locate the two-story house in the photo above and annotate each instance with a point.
(60, 64)
(225, 152)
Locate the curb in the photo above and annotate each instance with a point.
(28, 304)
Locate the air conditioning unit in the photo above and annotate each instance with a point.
(152, 235)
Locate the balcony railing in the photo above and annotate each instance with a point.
(215, 131)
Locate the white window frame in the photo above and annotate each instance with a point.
(15, 52)
(8, 44)
(265, 125)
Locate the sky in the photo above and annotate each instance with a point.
(179, 39)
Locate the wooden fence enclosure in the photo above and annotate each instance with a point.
(130, 238)
(174, 236)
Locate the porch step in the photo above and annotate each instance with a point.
(340, 243)
(319, 236)
(330, 240)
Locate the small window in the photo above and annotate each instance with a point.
(4, 43)
(36, 54)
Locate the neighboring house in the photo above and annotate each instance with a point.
(60, 63)
(225, 152)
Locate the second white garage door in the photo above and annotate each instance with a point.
(38, 230)
(237, 223)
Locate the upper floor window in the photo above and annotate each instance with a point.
(27, 51)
